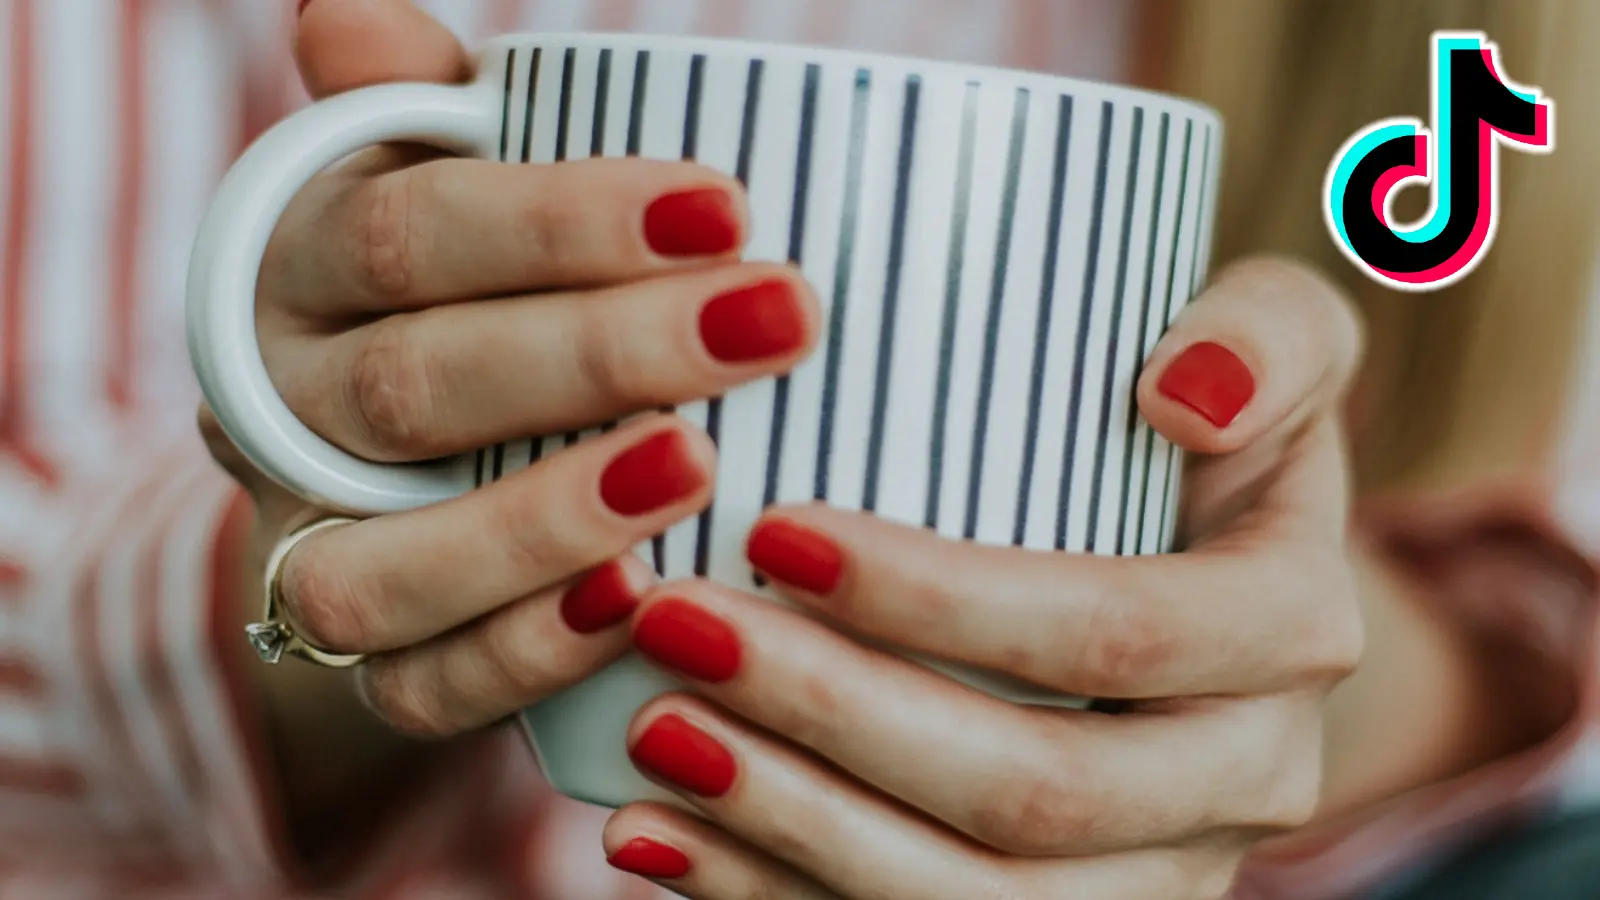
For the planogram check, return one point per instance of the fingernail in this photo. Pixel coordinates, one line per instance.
(751, 323)
(653, 473)
(650, 859)
(600, 600)
(1209, 379)
(684, 637)
(698, 222)
(675, 751)
(800, 557)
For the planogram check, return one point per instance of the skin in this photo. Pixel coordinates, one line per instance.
(1226, 652)
(1244, 721)
(404, 302)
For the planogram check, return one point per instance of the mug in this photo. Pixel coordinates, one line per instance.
(996, 253)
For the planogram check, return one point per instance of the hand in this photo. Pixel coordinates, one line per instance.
(412, 307)
(823, 768)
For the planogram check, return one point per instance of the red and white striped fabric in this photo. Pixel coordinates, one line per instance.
(128, 765)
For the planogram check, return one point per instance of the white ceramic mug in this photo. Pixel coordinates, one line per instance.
(996, 253)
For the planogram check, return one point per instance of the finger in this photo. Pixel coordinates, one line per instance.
(652, 839)
(1266, 345)
(377, 238)
(696, 859)
(1274, 615)
(425, 386)
(1268, 349)
(395, 580)
(1025, 780)
(858, 842)
(341, 45)
(509, 659)
(855, 843)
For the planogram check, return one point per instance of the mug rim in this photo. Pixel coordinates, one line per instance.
(802, 52)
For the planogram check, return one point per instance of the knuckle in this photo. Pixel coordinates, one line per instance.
(1335, 637)
(1285, 791)
(389, 689)
(537, 545)
(1328, 311)
(1347, 330)
(391, 392)
(1287, 276)
(816, 713)
(387, 234)
(757, 888)
(1125, 644)
(996, 884)
(1035, 816)
(818, 723)
(1291, 800)
(1296, 803)
(605, 363)
(1215, 881)
(1335, 320)
(327, 609)
(521, 666)
(547, 230)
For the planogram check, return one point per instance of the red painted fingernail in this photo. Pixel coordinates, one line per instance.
(698, 222)
(600, 600)
(751, 323)
(1209, 379)
(650, 859)
(682, 636)
(676, 751)
(796, 556)
(653, 473)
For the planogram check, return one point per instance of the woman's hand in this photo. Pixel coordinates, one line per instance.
(412, 306)
(829, 769)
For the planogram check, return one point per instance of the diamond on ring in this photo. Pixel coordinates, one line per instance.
(273, 637)
(268, 639)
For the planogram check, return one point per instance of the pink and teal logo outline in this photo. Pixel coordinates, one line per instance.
(1475, 111)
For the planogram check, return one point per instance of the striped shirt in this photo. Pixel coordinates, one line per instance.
(128, 757)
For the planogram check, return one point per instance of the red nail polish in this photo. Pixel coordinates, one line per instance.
(682, 636)
(699, 222)
(682, 754)
(653, 473)
(796, 556)
(752, 323)
(650, 859)
(599, 600)
(1209, 379)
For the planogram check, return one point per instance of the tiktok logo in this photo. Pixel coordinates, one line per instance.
(1475, 110)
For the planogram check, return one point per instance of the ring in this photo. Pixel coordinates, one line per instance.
(273, 636)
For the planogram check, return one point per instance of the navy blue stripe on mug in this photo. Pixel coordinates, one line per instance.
(995, 261)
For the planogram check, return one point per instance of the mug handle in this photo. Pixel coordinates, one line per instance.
(226, 263)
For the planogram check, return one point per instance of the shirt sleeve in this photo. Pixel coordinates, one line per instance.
(1503, 567)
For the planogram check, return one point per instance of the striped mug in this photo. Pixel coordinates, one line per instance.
(996, 252)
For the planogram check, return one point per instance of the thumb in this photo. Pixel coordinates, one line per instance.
(1267, 346)
(341, 45)
(1249, 379)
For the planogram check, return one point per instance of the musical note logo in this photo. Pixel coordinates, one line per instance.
(1475, 111)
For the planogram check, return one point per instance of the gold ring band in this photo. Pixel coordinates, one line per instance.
(273, 636)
